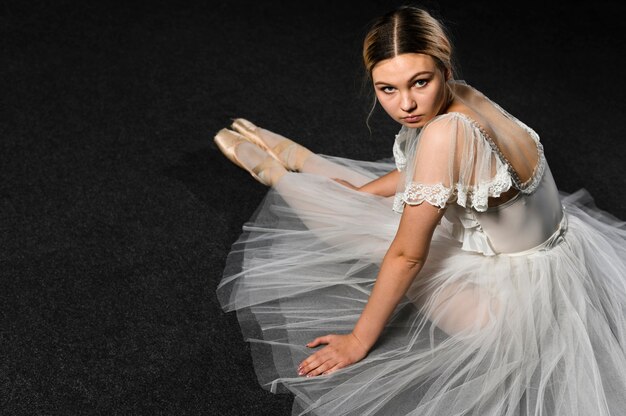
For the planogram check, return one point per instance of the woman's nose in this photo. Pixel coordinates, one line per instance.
(408, 104)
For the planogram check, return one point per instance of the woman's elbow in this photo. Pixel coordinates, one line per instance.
(412, 262)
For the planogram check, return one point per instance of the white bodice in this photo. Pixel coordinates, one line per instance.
(525, 223)
(474, 171)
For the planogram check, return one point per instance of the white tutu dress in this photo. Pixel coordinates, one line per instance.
(520, 308)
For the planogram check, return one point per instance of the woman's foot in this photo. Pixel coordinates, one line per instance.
(289, 153)
(249, 157)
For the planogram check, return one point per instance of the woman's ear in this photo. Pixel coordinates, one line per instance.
(448, 74)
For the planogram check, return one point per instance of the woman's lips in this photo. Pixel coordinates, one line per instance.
(412, 119)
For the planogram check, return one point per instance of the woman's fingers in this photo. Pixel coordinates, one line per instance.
(312, 363)
(319, 340)
(340, 351)
(331, 370)
(316, 359)
(327, 365)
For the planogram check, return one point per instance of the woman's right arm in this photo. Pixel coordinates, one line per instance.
(384, 186)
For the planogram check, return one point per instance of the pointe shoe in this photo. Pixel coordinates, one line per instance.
(289, 153)
(249, 131)
(268, 171)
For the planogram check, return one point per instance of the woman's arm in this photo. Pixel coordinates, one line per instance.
(384, 186)
(403, 261)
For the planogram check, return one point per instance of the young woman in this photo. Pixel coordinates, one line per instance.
(456, 282)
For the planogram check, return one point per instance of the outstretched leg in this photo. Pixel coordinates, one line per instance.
(457, 308)
(294, 156)
(316, 210)
(249, 157)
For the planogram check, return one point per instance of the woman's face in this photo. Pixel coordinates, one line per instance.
(410, 87)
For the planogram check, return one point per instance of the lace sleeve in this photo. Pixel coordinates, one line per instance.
(416, 193)
(399, 147)
(450, 161)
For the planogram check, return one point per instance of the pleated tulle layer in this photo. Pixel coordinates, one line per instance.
(540, 334)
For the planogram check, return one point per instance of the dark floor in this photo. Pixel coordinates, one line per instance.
(117, 211)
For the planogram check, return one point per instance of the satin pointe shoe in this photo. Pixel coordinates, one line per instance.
(244, 154)
(289, 153)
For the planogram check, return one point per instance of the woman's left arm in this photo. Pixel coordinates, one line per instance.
(401, 264)
(383, 186)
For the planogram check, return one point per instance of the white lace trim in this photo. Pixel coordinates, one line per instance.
(529, 186)
(436, 195)
(439, 195)
(398, 154)
(478, 195)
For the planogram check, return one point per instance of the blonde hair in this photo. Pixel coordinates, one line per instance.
(407, 29)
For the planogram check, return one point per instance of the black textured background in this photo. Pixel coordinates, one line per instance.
(117, 211)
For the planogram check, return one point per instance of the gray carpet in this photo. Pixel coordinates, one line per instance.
(117, 211)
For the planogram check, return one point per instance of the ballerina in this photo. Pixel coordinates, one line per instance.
(457, 280)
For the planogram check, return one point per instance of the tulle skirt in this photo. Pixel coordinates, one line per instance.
(539, 334)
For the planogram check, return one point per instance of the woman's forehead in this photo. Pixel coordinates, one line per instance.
(403, 66)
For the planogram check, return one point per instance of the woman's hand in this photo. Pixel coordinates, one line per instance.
(346, 184)
(340, 351)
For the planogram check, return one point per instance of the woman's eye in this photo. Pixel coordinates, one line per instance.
(421, 83)
(387, 90)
